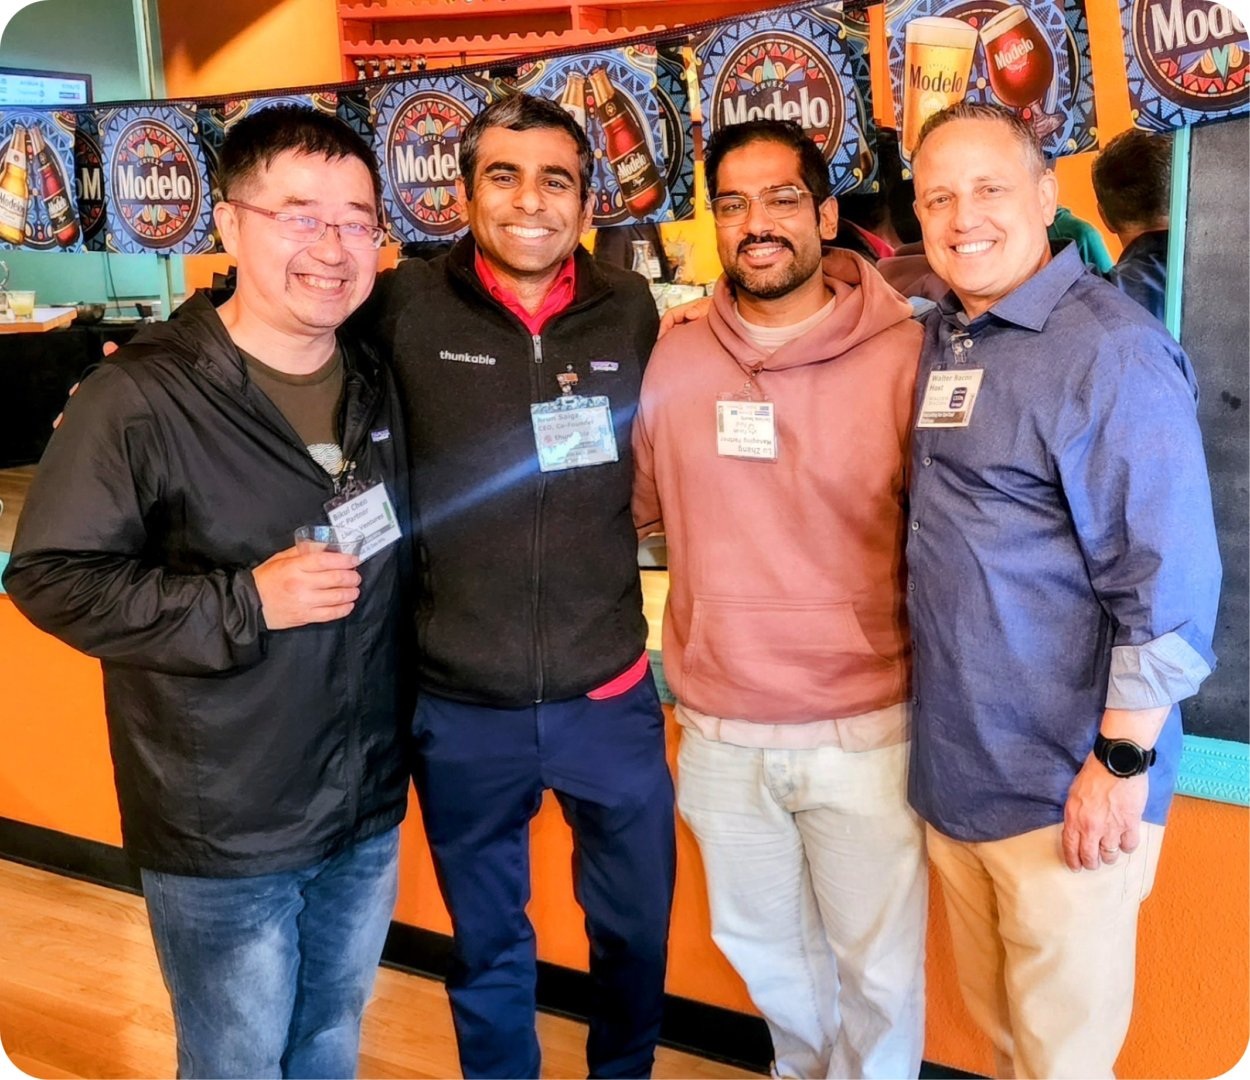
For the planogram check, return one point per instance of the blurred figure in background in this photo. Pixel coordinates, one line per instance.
(1133, 184)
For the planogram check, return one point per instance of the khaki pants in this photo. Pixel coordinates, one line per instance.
(1046, 958)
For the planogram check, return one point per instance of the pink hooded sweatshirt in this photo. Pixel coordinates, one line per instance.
(786, 577)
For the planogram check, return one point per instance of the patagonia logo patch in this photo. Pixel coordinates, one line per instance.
(381, 435)
(604, 365)
(467, 358)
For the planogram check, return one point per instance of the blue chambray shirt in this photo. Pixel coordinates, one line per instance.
(1061, 551)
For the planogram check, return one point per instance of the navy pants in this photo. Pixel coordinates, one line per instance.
(269, 976)
(480, 774)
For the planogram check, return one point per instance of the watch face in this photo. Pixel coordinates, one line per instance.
(1124, 759)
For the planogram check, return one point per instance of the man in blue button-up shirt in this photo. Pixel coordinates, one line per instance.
(1063, 586)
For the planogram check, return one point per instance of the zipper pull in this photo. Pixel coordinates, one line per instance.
(538, 349)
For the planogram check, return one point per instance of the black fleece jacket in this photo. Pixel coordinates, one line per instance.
(529, 587)
(237, 750)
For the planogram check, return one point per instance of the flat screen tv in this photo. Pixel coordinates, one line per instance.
(43, 89)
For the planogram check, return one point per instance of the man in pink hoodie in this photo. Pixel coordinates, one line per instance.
(770, 447)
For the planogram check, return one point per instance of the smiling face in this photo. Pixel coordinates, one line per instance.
(299, 289)
(983, 209)
(764, 257)
(527, 213)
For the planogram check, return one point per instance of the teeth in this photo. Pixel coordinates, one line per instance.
(321, 282)
(764, 252)
(528, 234)
(973, 249)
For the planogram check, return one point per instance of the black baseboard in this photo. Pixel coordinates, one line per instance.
(87, 860)
(694, 1026)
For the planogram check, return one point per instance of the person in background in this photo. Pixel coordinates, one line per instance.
(520, 357)
(1089, 242)
(770, 446)
(1133, 184)
(614, 246)
(253, 694)
(863, 225)
(1063, 583)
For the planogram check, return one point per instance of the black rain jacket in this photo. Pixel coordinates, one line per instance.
(237, 750)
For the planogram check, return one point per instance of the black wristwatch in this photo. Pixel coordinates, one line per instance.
(1123, 757)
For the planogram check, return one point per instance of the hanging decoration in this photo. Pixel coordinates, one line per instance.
(1011, 54)
(676, 128)
(156, 179)
(611, 93)
(38, 211)
(785, 64)
(1188, 62)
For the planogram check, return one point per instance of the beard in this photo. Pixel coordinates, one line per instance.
(773, 282)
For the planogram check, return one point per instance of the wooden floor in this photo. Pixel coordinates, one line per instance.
(81, 996)
(13, 485)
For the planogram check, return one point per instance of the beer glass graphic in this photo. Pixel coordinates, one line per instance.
(1020, 65)
(937, 58)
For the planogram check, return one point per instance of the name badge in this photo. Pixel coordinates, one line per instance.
(949, 398)
(573, 432)
(746, 429)
(372, 513)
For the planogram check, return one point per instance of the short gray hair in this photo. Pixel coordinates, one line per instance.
(1021, 129)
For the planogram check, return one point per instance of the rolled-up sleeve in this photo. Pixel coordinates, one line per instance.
(1135, 477)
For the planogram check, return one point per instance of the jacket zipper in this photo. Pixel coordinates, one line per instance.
(366, 404)
(536, 568)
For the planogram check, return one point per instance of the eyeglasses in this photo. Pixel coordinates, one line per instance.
(308, 230)
(778, 203)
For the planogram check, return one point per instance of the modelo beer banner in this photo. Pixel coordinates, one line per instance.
(137, 178)
(852, 31)
(785, 64)
(416, 126)
(156, 181)
(38, 211)
(612, 95)
(1012, 54)
(677, 129)
(1187, 62)
(1084, 112)
(89, 179)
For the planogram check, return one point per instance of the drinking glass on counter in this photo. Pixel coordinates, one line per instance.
(22, 304)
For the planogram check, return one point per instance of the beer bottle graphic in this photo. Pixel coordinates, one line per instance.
(573, 99)
(52, 188)
(14, 190)
(642, 186)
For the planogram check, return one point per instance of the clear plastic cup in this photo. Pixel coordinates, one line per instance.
(313, 538)
(22, 304)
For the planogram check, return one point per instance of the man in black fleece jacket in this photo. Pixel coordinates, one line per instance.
(519, 360)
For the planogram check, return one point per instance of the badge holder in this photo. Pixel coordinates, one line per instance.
(746, 425)
(366, 507)
(573, 432)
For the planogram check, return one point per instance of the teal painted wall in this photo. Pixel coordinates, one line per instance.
(97, 37)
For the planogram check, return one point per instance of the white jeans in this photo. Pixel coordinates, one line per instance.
(818, 887)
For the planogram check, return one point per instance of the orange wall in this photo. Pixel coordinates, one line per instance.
(1192, 1017)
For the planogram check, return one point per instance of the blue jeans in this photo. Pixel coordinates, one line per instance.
(270, 975)
(480, 775)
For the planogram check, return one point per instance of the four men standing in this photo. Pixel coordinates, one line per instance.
(1061, 582)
